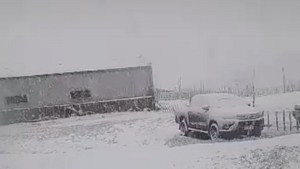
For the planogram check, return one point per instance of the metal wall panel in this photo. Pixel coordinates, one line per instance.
(47, 90)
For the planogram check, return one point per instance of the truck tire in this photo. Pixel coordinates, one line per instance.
(213, 132)
(183, 127)
(176, 119)
(256, 132)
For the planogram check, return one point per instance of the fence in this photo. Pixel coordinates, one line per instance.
(171, 106)
(281, 121)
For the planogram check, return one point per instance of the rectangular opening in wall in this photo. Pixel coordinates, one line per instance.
(16, 99)
(80, 94)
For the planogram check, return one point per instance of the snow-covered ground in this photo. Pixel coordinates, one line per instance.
(279, 102)
(136, 140)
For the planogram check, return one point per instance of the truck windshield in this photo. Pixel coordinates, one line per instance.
(225, 102)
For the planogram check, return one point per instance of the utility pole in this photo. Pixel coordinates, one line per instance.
(253, 89)
(179, 87)
(283, 80)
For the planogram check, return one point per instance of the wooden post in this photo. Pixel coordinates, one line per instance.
(290, 118)
(253, 89)
(283, 80)
(268, 120)
(283, 118)
(277, 121)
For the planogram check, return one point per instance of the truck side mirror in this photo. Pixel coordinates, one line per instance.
(206, 107)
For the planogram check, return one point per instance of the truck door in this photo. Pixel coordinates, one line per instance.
(203, 122)
(198, 119)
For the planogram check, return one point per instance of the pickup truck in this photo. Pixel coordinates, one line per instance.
(219, 114)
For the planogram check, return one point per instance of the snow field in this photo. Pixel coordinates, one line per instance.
(132, 140)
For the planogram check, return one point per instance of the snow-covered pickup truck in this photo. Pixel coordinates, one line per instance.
(219, 114)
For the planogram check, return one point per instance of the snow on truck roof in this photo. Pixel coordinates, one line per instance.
(217, 99)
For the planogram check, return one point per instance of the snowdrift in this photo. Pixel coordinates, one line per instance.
(278, 102)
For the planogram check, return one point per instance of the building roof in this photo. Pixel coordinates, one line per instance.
(78, 72)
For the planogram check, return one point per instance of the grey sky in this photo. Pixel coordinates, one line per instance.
(217, 42)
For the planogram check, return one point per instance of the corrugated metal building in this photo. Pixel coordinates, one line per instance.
(38, 97)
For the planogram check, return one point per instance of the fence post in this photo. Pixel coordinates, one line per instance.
(283, 118)
(290, 118)
(268, 120)
(277, 121)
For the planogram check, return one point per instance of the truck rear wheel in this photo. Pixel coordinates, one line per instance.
(183, 127)
(257, 132)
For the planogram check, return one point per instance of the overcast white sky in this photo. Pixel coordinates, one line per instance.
(217, 42)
